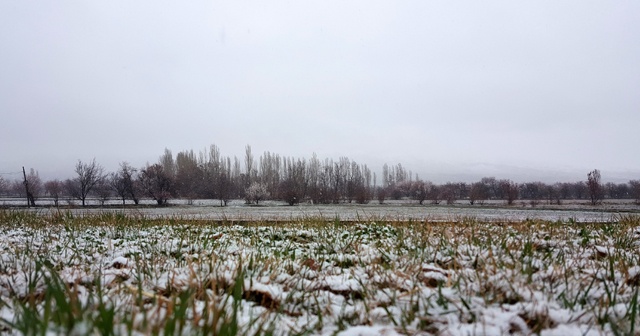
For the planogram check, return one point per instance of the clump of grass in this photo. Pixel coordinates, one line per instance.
(53, 305)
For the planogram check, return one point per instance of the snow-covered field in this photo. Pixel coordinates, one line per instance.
(578, 211)
(111, 273)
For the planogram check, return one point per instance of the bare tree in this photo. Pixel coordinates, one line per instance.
(189, 176)
(580, 190)
(635, 190)
(557, 190)
(118, 185)
(359, 184)
(434, 193)
(293, 186)
(420, 190)
(617, 190)
(449, 192)
(479, 193)
(492, 187)
(339, 178)
(566, 190)
(54, 190)
(595, 187)
(167, 163)
(103, 190)
(289, 191)
(509, 190)
(35, 186)
(71, 190)
(553, 193)
(89, 175)
(533, 191)
(250, 166)
(363, 194)
(4, 186)
(270, 168)
(224, 186)
(313, 179)
(403, 189)
(463, 190)
(324, 183)
(156, 183)
(381, 194)
(216, 176)
(125, 184)
(237, 178)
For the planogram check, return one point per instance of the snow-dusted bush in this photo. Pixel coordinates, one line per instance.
(256, 192)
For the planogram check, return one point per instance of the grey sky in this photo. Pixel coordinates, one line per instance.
(522, 89)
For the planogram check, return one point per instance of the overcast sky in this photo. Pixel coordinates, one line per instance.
(530, 90)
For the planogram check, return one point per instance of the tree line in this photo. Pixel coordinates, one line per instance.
(209, 175)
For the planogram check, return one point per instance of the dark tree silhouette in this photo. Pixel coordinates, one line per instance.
(595, 187)
(156, 183)
(479, 193)
(634, 186)
(89, 175)
(124, 183)
(509, 190)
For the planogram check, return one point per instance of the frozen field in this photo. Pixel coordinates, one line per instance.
(397, 212)
(578, 211)
(113, 274)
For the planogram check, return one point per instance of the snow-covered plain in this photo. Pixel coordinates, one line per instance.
(492, 210)
(470, 277)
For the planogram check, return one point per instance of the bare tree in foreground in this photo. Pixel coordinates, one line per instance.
(89, 175)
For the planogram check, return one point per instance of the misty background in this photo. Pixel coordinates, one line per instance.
(540, 90)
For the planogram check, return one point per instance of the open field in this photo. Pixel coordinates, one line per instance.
(392, 210)
(111, 273)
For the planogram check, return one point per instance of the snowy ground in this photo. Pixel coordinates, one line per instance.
(578, 211)
(118, 274)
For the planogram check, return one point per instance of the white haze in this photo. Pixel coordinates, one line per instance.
(535, 90)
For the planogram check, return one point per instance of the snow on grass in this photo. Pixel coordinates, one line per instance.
(115, 274)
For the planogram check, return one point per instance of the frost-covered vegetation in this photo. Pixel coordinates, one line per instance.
(116, 274)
